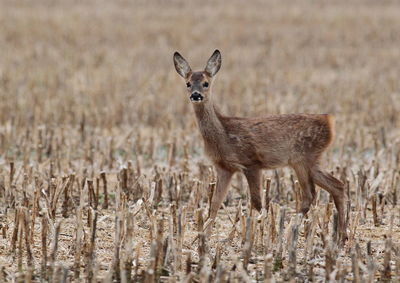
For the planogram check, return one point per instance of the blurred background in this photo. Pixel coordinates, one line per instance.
(98, 76)
(112, 60)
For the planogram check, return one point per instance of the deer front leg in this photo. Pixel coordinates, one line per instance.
(223, 180)
(253, 177)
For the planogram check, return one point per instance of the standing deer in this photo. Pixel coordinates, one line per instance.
(251, 144)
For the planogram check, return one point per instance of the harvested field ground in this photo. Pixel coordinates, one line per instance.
(102, 172)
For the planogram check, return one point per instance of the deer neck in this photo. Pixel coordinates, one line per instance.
(209, 122)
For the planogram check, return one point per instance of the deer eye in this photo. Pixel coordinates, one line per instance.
(205, 84)
(188, 84)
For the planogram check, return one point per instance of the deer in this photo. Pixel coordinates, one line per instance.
(250, 145)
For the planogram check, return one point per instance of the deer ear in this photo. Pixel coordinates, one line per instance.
(214, 63)
(181, 66)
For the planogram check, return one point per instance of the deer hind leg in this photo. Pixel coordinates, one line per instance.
(307, 187)
(253, 177)
(336, 189)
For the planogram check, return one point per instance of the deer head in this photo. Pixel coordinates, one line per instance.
(198, 83)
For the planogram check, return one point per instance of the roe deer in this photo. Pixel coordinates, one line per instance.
(252, 144)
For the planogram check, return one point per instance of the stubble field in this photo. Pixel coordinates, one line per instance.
(102, 171)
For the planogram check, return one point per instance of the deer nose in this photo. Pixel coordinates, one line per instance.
(196, 96)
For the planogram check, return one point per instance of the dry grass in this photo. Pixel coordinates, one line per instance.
(89, 90)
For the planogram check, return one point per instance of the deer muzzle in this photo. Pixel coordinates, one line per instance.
(196, 97)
